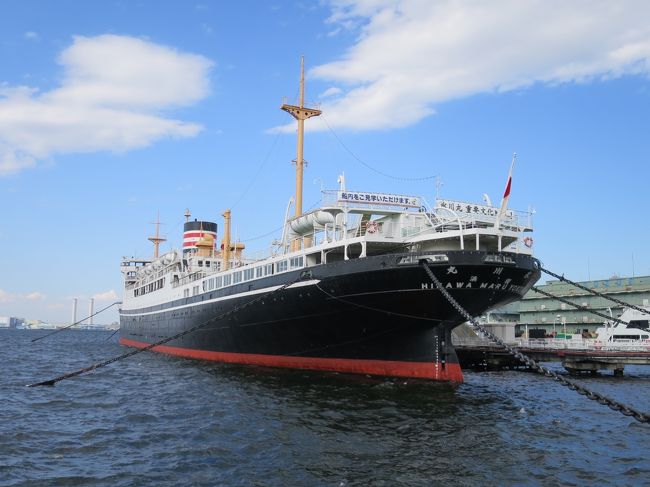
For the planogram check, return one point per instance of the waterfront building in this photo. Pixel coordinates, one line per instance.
(10, 322)
(541, 312)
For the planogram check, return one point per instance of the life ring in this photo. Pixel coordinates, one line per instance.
(528, 242)
(371, 227)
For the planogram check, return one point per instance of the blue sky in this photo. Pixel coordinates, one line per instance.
(113, 111)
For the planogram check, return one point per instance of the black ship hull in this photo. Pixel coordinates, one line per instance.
(378, 315)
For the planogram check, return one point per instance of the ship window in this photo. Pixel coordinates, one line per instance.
(268, 269)
(227, 280)
(626, 337)
(639, 324)
(248, 274)
(281, 266)
(296, 262)
(259, 272)
(207, 263)
(219, 281)
(200, 263)
(186, 293)
(237, 277)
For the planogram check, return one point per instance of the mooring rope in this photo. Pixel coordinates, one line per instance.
(593, 291)
(371, 308)
(113, 334)
(574, 386)
(233, 310)
(76, 322)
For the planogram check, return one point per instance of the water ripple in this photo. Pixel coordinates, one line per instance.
(163, 421)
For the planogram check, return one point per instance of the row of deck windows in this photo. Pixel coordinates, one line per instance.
(252, 273)
(152, 286)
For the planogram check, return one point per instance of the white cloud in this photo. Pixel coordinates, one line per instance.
(112, 93)
(110, 295)
(333, 91)
(35, 296)
(32, 36)
(413, 54)
(5, 297)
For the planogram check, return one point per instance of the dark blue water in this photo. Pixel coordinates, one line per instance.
(158, 420)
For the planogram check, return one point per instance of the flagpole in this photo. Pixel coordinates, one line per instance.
(506, 193)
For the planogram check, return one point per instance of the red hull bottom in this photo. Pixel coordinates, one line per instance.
(448, 372)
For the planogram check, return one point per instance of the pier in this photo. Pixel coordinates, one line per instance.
(576, 356)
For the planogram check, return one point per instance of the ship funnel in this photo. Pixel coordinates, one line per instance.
(195, 232)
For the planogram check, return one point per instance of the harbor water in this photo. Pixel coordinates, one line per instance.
(158, 420)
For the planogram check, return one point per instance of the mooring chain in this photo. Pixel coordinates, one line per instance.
(58, 330)
(578, 306)
(231, 311)
(595, 396)
(593, 291)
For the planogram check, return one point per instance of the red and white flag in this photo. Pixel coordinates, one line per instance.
(506, 193)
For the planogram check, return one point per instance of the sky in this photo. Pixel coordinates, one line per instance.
(113, 111)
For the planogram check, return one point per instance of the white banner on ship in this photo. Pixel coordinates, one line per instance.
(471, 209)
(379, 199)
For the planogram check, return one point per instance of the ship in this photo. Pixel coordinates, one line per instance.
(346, 289)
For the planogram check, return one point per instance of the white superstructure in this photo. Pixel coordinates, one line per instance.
(348, 225)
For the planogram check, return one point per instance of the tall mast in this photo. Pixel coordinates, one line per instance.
(157, 239)
(300, 113)
(225, 253)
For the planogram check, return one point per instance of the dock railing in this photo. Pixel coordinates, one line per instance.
(553, 344)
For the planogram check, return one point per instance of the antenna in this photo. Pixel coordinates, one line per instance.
(187, 215)
(341, 181)
(438, 186)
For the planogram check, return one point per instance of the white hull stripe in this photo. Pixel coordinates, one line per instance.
(223, 298)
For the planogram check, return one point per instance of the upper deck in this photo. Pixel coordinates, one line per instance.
(348, 225)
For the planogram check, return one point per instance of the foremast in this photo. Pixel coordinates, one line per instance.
(157, 239)
(300, 113)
